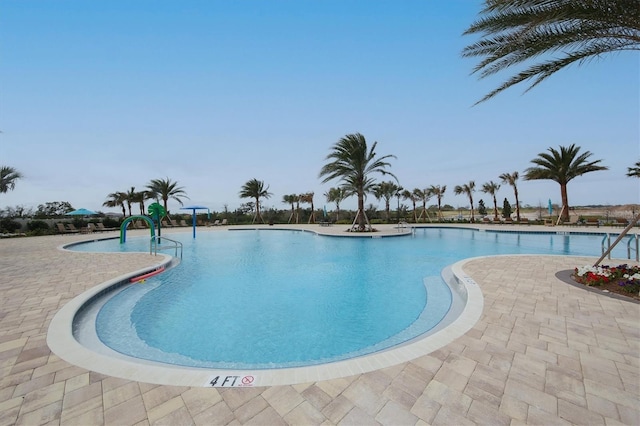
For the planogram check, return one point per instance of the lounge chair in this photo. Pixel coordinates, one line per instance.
(508, 221)
(217, 222)
(91, 227)
(139, 224)
(100, 226)
(63, 230)
(575, 221)
(524, 221)
(620, 222)
(591, 221)
(224, 222)
(72, 228)
(183, 222)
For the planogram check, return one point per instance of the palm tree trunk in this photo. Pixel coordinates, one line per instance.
(495, 208)
(565, 202)
(415, 213)
(515, 190)
(258, 215)
(361, 218)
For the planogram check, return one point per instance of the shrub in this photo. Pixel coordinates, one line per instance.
(8, 225)
(110, 223)
(38, 227)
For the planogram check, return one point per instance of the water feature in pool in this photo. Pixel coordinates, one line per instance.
(266, 299)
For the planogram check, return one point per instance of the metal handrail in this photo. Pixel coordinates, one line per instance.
(154, 241)
(633, 237)
(607, 238)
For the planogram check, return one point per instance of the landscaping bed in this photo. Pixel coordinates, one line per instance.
(622, 279)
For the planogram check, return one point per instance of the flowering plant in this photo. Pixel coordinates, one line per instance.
(625, 276)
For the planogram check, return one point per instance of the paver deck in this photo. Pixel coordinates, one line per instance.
(543, 352)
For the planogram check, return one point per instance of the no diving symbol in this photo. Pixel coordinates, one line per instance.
(248, 380)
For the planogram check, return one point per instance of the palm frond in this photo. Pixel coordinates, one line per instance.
(516, 31)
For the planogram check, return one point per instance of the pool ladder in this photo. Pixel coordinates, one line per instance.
(156, 241)
(633, 239)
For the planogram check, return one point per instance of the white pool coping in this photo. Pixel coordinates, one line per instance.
(62, 342)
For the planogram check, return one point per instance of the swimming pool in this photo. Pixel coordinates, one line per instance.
(426, 252)
(269, 299)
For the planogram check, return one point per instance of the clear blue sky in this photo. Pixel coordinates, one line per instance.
(99, 96)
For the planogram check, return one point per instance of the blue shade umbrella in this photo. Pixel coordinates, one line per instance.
(550, 207)
(81, 212)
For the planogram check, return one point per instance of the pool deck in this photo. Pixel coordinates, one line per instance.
(543, 352)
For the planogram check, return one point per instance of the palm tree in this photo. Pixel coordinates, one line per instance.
(140, 197)
(562, 166)
(116, 199)
(438, 191)
(291, 199)
(517, 31)
(424, 195)
(131, 198)
(336, 195)
(386, 190)
(353, 163)
(164, 189)
(491, 188)
(8, 178)
(467, 188)
(512, 179)
(634, 171)
(308, 198)
(255, 189)
(411, 195)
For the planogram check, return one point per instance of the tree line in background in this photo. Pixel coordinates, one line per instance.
(352, 163)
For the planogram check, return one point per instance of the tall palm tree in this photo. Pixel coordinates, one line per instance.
(386, 190)
(491, 188)
(514, 32)
(164, 189)
(255, 189)
(469, 189)
(634, 171)
(512, 179)
(336, 195)
(291, 199)
(562, 166)
(411, 195)
(116, 199)
(353, 163)
(8, 178)
(308, 198)
(424, 195)
(140, 197)
(438, 191)
(131, 198)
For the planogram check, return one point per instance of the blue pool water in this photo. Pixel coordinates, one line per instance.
(269, 299)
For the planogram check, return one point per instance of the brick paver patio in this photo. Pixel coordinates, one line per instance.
(544, 352)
